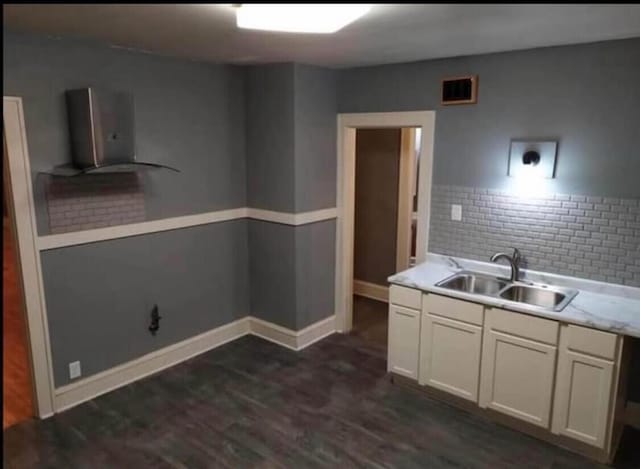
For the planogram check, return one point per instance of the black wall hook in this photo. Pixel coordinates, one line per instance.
(155, 320)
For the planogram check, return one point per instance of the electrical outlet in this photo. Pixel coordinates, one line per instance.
(456, 212)
(74, 370)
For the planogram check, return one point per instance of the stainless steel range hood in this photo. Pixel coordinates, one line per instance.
(102, 132)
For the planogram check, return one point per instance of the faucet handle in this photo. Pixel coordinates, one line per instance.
(516, 255)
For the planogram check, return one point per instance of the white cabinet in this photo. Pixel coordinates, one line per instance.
(584, 384)
(404, 341)
(565, 379)
(518, 365)
(450, 347)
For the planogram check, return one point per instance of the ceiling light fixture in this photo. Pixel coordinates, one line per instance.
(298, 18)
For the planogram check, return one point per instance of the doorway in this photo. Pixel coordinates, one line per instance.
(348, 126)
(385, 218)
(17, 397)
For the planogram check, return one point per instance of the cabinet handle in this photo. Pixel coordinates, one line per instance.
(409, 315)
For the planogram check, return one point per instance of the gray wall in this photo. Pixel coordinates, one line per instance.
(291, 137)
(272, 270)
(291, 167)
(188, 115)
(270, 137)
(585, 96)
(292, 272)
(99, 296)
(315, 138)
(315, 272)
(315, 188)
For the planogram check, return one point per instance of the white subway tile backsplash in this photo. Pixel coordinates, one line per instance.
(94, 201)
(585, 236)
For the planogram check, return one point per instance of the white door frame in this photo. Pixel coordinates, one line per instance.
(21, 208)
(347, 125)
(406, 193)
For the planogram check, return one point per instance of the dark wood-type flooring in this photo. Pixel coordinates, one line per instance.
(251, 403)
(16, 375)
(370, 320)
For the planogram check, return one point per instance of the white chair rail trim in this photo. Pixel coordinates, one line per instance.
(135, 229)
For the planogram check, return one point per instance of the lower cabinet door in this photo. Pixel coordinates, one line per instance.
(404, 341)
(583, 396)
(450, 356)
(517, 377)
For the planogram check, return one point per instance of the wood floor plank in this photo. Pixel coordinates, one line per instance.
(252, 404)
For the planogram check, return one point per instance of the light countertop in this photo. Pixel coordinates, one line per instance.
(599, 305)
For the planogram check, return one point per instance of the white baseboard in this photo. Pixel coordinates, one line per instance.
(632, 414)
(371, 290)
(98, 384)
(316, 332)
(273, 333)
(89, 388)
(294, 340)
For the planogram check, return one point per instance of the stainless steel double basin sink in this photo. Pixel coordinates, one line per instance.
(532, 294)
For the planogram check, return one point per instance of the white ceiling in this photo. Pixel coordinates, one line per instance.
(387, 34)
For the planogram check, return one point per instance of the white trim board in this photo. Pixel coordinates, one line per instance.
(93, 386)
(347, 125)
(294, 340)
(294, 219)
(21, 209)
(371, 290)
(135, 229)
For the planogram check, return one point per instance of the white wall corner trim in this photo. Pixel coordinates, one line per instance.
(91, 387)
(294, 219)
(294, 340)
(371, 290)
(21, 209)
(316, 332)
(135, 229)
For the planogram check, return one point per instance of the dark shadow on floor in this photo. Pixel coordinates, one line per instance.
(370, 320)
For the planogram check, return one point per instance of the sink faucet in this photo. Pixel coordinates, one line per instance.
(514, 261)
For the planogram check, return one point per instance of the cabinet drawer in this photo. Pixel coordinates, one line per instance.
(404, 296)
(523, 325)
(454, 309)
(591, 342)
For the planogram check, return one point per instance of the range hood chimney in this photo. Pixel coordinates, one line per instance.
(102, 132)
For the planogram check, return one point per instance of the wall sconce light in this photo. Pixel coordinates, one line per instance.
(532, 159)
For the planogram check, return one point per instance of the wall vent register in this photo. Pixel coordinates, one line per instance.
(460, 90)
